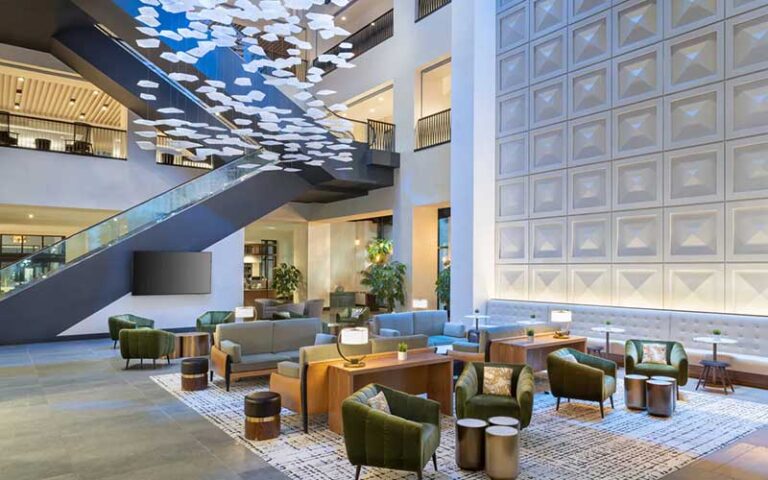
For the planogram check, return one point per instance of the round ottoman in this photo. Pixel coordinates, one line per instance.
(634, 391)
(194, 374)
(262, 415)
(470, 443)
(505, 422)
(502, 452)
(675, 392)
(660, 395)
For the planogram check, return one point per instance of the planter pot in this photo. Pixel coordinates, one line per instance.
(531, 338)
(401, 356)
(717, 337)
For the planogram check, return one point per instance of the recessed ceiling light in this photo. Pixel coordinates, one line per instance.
(95, 92)
(343, 19)
(21, 79)
(381, 99)
(104, 107)
(16, 106)
(30, 216)
(71, 101)
(373, 24)
(371, 110)
(82, 116)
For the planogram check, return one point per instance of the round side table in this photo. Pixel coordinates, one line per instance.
(505, 422)
(634, 391)
(676, 391)
(608, 331)
(660, 395)
(470, 443)
(502, 453)
(194, 374)
(262, 415)
(192, 344)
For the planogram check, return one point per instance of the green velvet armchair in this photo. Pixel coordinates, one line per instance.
(207, 322)
(589, 378)
(472, 403)
(127, 321)
(404, 440)
(677, 361)
(147, 343)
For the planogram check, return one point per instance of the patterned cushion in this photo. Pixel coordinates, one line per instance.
(654, 353)
(569, 358)
(497, 381)
(379, 402)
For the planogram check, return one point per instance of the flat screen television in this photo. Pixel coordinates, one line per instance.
(171, 273)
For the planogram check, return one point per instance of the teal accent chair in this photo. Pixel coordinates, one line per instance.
(126, 321)
(589, 378)
(146, 343)
(404, 440)
(677, 361)
(472, 403)
(207, 322)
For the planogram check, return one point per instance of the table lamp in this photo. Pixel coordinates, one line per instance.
(561, 316)
(352, 336)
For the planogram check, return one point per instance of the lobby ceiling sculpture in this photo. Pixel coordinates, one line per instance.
(287, 139)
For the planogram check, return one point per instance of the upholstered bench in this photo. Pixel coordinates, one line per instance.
(262, 415)
(194, 374)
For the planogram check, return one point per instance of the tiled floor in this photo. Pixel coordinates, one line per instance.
(68, 411)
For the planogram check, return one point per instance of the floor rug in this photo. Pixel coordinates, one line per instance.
(574, 443)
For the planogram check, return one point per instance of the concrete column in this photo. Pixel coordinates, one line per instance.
(319, 261)
(472, 155)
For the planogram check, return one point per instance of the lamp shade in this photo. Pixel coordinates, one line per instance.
(354, 336)
(560, 316)
(244, 312)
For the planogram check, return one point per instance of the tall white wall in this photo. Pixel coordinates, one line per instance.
(180, 311)
(632, 146)
(423, 177)
(472, 153)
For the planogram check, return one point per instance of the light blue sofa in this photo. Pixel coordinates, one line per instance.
(432, 323)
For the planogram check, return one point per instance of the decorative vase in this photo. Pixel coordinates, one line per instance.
(402, 356)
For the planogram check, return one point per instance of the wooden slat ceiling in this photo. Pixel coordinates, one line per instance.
(49, 96)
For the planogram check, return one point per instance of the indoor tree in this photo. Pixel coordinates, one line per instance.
(385, 279)
(443, 287)
(286, 280)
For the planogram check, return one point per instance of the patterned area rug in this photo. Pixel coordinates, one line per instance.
(574, 443)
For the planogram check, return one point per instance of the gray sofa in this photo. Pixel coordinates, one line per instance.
(267, 307)
(255, 348)
(432, 323)
(305, 391)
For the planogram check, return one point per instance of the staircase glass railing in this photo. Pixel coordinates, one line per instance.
(50, 260)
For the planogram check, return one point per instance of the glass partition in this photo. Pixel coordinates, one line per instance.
(47, 261)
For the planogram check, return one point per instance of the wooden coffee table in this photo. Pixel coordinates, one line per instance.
(519, 350)
(422, 372)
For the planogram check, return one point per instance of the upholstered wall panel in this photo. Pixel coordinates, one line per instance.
(632, 153)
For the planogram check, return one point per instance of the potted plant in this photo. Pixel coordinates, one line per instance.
(608, 323)
(385, 279)
(286, 280)
(402, 351)
(530, 333)
(443, 287)
(717, 333)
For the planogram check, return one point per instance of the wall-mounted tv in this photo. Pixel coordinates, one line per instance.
(171, 273)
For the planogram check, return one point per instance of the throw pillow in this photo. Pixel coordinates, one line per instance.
(281, 315)
(497, 381)
(569, 358)
(654, 353)
(379, 402)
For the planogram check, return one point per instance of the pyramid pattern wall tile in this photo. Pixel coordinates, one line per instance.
(632, 153)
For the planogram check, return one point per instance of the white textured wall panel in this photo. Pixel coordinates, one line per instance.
(632, 155)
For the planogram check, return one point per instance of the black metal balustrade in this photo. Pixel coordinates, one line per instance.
(433, 130)
(362, 40)
(381, 136)
(164, 157)
(424, 8)
(56, 136)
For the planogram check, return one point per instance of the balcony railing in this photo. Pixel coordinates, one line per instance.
(164, 157)
(381, 136)
(63, 137)
(433, 130)
(425, 8)
(362, 40)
